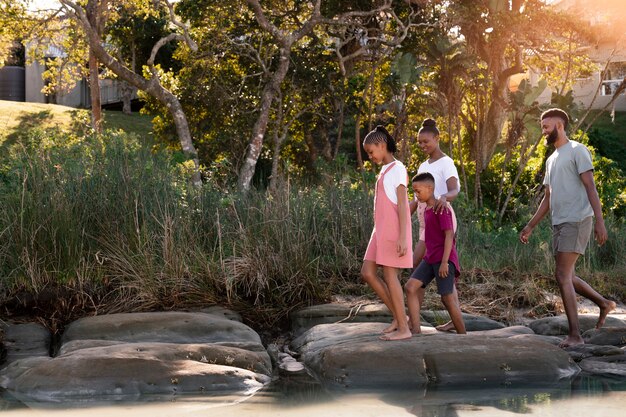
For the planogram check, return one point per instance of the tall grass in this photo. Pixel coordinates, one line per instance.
(119, 228)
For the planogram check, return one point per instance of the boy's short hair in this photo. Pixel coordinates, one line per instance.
(424, 177)
(556, 113)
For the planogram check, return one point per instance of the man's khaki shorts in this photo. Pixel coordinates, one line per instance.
(572, 236)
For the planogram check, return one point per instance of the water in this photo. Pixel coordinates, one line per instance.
(582, 396)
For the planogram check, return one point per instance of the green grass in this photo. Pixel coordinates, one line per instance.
(609, 136)
(18, 117)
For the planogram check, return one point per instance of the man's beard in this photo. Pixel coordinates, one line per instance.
(552, 136)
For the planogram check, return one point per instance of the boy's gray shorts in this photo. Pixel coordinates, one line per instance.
(572, 236)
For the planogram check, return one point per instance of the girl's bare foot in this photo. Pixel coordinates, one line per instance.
(397, 335)
(394, 326)
(571, 341)
(448, 327)
(606, 309)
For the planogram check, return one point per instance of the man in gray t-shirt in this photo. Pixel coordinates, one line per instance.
(572, 200)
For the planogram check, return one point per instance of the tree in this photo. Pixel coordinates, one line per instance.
(151, 83)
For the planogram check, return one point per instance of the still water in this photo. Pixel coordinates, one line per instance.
(582, 396)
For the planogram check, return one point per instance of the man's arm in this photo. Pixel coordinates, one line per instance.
(541, 212)
(592, 194)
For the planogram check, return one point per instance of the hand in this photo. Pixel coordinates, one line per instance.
(443, 270)
(525, 234)
(600, 232)
(401, 247)
(441, 204)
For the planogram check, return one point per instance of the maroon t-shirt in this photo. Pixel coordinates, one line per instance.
(435, 237)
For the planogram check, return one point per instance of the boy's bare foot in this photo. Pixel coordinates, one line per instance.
(397, 335)
(610, 306)
(571, 341)
(448, 327)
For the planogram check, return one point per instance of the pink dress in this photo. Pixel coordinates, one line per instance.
(382, 247)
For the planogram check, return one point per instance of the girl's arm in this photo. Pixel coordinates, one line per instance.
(447, 249)
(401, 194)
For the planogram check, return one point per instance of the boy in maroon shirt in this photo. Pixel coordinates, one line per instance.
(441, 260)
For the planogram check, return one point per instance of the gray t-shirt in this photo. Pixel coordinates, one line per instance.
(568, 197)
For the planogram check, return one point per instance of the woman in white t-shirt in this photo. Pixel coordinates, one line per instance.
(447, 187)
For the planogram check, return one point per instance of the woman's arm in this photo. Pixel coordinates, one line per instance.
(453, 192)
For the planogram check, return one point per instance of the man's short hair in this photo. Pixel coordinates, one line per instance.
(424, 177)
(556, 113)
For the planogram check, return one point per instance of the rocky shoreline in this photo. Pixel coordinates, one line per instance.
(122, 357)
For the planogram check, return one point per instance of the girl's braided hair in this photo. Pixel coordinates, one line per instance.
(378, 135)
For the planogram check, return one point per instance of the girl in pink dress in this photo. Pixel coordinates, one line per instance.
(390, 243)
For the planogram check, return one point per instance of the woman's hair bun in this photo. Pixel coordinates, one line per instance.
(429, 123)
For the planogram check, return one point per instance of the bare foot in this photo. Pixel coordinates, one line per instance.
(610, 306)
(397, 335)
(394, 326)
(571, 341)
(414, 332)
(448, 327)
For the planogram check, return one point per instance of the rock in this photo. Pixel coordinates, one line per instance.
(553, 340)
(472, 322)
(25, 340)
(606, 366)
(165, 327)
(308, 317)
(222, 311)
(556, 326)
(580, 352)
(505, 332)
(128, 371)
(351, 355)
(615, 336)
(124, 356)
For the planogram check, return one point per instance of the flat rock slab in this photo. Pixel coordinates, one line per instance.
(124, 356)
(128, 371)
(472, 322)
(556, 326)
(25, 340)
(351, 355)
(615, 336)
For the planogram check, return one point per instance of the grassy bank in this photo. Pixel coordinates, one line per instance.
(107, 225)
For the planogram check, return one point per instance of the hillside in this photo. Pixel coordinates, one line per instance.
(18, 116)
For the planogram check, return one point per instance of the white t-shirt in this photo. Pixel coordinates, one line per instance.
(393, 179)
(442, 169)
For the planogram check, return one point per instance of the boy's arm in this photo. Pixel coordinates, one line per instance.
(447, 249)
(542, 210)
(402, 208)
(592, 194)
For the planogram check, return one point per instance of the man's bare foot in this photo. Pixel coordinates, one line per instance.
(397, 335)
(448, 327)
(414, 332)
(571, 341)
(610, 306)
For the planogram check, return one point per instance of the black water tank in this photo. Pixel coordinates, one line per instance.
(12, 85)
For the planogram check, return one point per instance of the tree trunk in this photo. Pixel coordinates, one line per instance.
(94, 92)
(357, 139)
(461, 159)
(260, 126)
(126, 92)
(342, 106)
